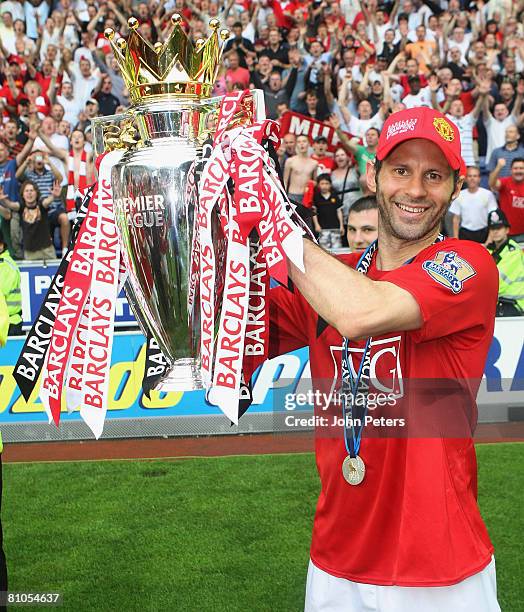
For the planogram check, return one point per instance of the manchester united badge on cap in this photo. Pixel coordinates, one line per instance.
(444, 129)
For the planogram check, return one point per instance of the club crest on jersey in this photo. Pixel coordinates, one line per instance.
(450, 270)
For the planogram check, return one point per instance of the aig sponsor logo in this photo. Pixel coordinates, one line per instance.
(385, 371)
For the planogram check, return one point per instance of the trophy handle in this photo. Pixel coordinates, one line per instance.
(107, 132)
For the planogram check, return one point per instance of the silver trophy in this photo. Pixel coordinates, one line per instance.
(166, 135)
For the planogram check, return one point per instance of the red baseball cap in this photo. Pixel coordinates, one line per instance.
(422, 122)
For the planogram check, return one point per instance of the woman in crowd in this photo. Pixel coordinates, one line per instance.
(35, 222)
(344, 180)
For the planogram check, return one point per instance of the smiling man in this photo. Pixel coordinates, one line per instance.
(397, 526)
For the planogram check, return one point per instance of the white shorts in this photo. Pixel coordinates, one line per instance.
(327, 593)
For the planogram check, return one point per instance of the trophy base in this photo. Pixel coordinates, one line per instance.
(183, 375)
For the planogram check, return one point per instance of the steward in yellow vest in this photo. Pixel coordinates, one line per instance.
(10, 288)
(509, 258)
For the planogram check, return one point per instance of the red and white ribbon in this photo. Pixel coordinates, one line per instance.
(227, 372)
(104, 292)
(82, 334)
(213, 182)
(259, 203)
(74, 386)
(257, 326)
(77, 283)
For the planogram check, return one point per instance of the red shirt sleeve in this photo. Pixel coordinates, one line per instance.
(455, 284)
(289, 320)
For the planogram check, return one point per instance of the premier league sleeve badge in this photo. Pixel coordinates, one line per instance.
(450, 270)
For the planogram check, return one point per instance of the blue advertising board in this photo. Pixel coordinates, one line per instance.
(503, 382)
(35, 281)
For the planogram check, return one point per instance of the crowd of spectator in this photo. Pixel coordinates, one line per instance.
(345, 63)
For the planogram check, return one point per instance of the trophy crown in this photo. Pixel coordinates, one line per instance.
(176, 67)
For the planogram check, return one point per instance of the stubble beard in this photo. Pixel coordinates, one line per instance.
(416, 231)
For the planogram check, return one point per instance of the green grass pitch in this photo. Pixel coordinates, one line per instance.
(220, 534)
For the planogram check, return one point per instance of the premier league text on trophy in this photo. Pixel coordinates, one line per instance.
(143, 211)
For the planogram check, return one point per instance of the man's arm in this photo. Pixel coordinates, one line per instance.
(456, 226)
(56, 172)
(15, 92)
(351, 144)
(5, 213)
(518, 104)
(483, 90)
(494, 181)
(342, 100)
(51, 92)
(433, 95)
(486, 113)
(287, 173)
(20, 170)
(6, 205)
(90, 170)
(119, 15)
(91, 26)
(25, 152)
(363, 89)
(53, 196)
(327, 87)
(349, 301)
(60, 153)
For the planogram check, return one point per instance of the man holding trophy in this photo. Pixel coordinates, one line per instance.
(397, 525)
(190, 216)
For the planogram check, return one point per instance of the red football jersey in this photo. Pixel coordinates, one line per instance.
(325, 164)
(511, 201)
(414, 520)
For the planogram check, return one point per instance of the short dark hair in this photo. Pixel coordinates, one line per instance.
(237, 24)
(517, 159)
(323, 177)
(368, 202)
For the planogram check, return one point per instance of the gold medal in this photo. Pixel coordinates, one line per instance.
(353, 470)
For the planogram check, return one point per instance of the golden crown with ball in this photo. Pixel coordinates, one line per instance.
(176, 67)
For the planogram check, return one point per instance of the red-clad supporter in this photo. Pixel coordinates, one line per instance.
(511, 193)
(48, 77)
(236, 75)
(325, 162)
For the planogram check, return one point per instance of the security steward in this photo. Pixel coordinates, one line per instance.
(10, 288)
(509, 258)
